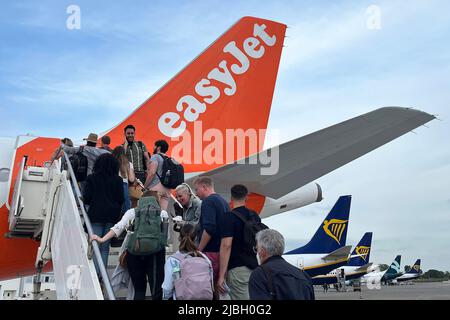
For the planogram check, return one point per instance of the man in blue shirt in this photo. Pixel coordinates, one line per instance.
(213, 209)
(236, 261)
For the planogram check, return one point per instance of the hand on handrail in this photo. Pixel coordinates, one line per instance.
(95, 237)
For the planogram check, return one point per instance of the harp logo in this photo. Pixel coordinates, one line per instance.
(335, 228)
(362, 251)
(416, 267)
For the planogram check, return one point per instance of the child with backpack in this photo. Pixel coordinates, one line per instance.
(188, 274)
(146, 241)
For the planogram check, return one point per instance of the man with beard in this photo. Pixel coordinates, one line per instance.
(137, 153)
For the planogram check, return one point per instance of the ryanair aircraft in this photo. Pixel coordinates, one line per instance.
(356, 267)
(326, 250)
(413, 273)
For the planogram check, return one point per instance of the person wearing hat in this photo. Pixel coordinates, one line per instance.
(90, 150)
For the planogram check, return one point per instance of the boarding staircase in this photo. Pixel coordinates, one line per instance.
(47, 206)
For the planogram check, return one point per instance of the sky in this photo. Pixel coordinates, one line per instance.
(337, 64)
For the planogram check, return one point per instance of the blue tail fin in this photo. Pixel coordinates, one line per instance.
(395, 266)
(332, 233)
(415, 268)
(361, 254)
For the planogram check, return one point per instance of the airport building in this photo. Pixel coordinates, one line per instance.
(22, 288)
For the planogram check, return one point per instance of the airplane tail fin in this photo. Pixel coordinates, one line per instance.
(361, 254)
(395, 266)
(332, 234)
(230, 85)
(415, 268)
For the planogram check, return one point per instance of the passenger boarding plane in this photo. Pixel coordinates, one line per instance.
(413, 273)
(385, 276)
(326, 250)
(356, 267)
(225, 91)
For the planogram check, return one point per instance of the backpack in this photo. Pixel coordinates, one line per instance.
(144, 163)
(147, 236)
(172, 173)
(79, 164)
(252, 226)
(193, 278)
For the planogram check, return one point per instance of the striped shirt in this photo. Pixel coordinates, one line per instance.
(135, 155)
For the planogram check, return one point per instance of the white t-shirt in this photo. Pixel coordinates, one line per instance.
(126, 220)
(125, 179)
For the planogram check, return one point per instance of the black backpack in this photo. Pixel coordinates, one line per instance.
(79, 164)
(252, 226)
(172, 173)
(144, 163)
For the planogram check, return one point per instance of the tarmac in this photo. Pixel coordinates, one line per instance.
(414, 291)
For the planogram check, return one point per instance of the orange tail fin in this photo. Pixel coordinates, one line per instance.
(230, 85)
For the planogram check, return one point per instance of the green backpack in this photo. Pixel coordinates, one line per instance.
(148, 237)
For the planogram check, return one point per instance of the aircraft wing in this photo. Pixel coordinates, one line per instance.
(364, 267)
(305, 159)
(338, 254)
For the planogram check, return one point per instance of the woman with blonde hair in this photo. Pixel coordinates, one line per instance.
(190, 209)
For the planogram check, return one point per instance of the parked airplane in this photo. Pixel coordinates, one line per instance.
(326, 250)
(196, 111)
(357, 265)
(385, 276)
(413, 273)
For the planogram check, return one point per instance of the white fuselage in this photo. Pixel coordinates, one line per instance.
(303, 261)
(408, 277)
(7, 147)
(349, 272)
(314, 263)
(373, 277)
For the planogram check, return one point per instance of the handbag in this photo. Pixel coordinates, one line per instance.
(124, 251)
(135, 192)
(123, 259)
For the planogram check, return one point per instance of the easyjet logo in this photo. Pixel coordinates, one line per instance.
(335, 228)
(189, 107)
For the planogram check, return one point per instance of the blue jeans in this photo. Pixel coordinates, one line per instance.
(127, 203)
(101, 229)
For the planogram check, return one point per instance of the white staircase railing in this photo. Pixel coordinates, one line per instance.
(76, 270)
(48, 207)
(75, 275)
